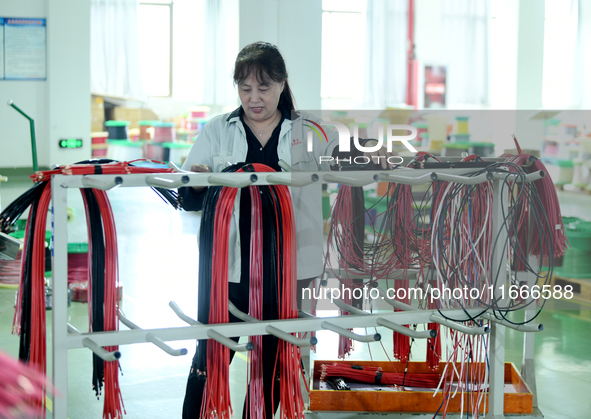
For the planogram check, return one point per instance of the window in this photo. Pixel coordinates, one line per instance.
(560, 41)
(171, 47)
(155, 41)
(343, 49)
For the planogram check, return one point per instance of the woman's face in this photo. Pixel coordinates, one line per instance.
(259, 100)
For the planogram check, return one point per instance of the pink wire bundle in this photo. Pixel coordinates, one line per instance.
(548, 200)
(10, 270)
(21, 388)
(255, 395)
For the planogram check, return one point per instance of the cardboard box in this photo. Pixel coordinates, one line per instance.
(133, 115)
(97, 114)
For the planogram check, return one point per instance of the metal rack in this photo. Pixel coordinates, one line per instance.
(66, 337)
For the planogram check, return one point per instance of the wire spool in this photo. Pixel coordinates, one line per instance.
(585, 152)
(573, 152)
(566, 171)
(482, 149)
(459, 138)
(163, 132)
(577, 259)
(586, 173)
(461, 133)
(436, 146)
(455, 149)
(436, 127)
(461, 125)
(99, 144)
(198, 112)
(578, 176)
(144, 129)
(118, 130)
(153, 151)
(124, 150)
(422, 128)
(175, 152)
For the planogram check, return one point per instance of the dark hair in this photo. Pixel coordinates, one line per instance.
(264, 60)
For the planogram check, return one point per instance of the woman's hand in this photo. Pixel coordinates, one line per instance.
(381, 156)
(200, 168)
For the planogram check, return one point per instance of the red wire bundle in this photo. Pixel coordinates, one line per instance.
(345, 243)
(216, 400)
(549, 202)
(433, 346)
(29, 320)
(288, 356)
(115, 168)
(401, 343)
(403, 242)
(77, 267)
(113, 402)
(37, 357)
(375, 375)
(255, 395)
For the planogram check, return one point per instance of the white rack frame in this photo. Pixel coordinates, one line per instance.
(62, 340)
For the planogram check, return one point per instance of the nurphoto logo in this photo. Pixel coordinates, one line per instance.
(345, 137)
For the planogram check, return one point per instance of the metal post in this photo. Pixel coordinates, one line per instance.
(497, 336)
(32, 133)
(528, 371)
(59, 199)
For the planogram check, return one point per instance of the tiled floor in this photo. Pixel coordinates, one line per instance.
(158, 263)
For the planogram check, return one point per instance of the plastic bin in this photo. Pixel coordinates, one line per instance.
(118, 130)
(163, 132)
(124, 150)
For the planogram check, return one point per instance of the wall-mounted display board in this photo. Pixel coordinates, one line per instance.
(1, 48)
(24, 49)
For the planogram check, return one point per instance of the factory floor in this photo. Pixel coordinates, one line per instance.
(158, 263)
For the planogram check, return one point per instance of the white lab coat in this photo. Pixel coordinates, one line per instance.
(223, 140)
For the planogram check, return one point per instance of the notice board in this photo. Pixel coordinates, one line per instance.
(23, 49)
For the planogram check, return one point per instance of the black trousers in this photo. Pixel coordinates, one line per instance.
(195, 385)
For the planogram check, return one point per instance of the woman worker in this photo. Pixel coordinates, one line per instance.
(264, 129)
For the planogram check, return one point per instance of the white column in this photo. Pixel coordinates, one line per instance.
(68, 78)
(530, 70)
(296, 28)
(530, 54)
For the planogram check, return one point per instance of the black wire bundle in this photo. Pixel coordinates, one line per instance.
(16, 208)
(272, 238)
(33, 195)
(97, 279)
(275, 300)
(169, 196)
(206, 234)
